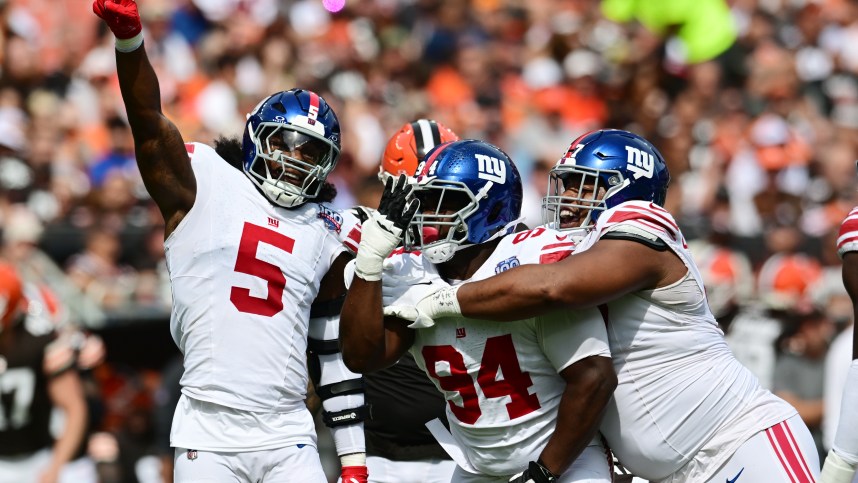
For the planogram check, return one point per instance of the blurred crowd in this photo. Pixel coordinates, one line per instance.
(761, 143)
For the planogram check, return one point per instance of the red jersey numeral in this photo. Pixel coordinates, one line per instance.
(246, 262)
(499, 356)
(524, 235)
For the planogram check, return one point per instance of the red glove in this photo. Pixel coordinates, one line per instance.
(120, 15)
(355, 474)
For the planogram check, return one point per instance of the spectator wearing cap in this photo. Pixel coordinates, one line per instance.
(800, 368)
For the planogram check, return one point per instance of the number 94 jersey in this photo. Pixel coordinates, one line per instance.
(501, 380)
(244, 274)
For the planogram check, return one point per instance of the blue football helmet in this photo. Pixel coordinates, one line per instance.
(470, 188)
(291, 144)
(600, 170)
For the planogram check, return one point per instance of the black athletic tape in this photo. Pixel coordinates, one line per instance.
(418, 140)
(323, 347)
(328, 308)
(342, 388)
(347, 417)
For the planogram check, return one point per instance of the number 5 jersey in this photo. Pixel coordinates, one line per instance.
(244, 274)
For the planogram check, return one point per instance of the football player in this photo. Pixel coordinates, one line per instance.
(524, 400)
(253, 254)
(685, 409)
(37, 373)
(842, 460)
(399, 447)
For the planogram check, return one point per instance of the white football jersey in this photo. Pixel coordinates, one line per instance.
(501, 379)
(680, 388)
(244, 274)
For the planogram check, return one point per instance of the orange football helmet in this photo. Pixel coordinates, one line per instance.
(410, 144)
(11, 295)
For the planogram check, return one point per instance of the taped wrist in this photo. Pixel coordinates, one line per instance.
(353, 459)
(378, 238)
(129, 45)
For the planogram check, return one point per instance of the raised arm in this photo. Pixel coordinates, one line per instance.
(159, 147)
(367, 341)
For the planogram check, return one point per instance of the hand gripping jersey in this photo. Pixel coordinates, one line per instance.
(847, 238)
(244, 274)
(501, 380)
(681, 395)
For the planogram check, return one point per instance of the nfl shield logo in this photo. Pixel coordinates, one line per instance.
(192, 454)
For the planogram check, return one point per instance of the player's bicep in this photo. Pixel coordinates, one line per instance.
(165, 166)
(333, 286)
(568, 336)
(398, 338)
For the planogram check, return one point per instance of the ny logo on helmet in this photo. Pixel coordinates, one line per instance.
(640, 163)
(491, 169)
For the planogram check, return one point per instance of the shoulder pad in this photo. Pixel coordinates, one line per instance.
(847, 237)
(635, 234)
(644, 215)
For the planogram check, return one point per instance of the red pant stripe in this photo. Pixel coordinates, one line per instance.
(780, 456)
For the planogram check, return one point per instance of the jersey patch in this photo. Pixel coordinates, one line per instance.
(505, 265)
(333, 220)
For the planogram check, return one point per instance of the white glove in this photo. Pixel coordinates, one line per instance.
(411, 314)
(438, 304)
(383, 230)
(378, 238)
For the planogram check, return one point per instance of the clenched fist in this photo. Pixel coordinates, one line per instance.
(121, 16)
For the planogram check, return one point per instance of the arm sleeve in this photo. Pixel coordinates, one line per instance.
(347, 439)
(846, 439)
(567, 336)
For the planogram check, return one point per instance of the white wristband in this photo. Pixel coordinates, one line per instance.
(353, 459)
(130, 45)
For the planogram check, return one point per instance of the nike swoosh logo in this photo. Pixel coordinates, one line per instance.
(736, 477)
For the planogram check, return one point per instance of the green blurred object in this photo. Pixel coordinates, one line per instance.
(705, 27)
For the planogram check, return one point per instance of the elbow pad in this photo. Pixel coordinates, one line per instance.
(340, 390)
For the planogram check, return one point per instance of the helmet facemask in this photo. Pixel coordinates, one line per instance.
(578, 195)
(285, 179)
(440, 227)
